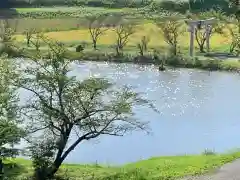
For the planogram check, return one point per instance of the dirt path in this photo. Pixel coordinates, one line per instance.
(230, 171)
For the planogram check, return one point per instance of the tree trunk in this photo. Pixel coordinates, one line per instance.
(1, 169)
(54, 168)
(141, 50)
(175, 50)
(117, 51)
(28, 42)
(94, 44)
(201, 48)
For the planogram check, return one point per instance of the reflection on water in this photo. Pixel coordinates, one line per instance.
(198, 111)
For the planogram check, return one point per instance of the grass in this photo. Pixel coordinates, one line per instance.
(73, 31)
(148, 29)
(70, 9)
(154, 168)
(56, 24)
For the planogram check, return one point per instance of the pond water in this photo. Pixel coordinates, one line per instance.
(199, 110)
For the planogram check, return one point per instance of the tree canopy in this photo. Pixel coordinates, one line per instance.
(63, 105)
(10, 133)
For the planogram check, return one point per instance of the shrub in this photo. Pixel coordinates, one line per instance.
(79, 48)
(208, 152)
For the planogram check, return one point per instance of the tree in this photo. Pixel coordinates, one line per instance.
(171, 28)
(6, 35)
(232, 26)
(10, 133)
(62, 105)
(96, 28)
(36, 40)
(216, 27)
(235, 40)
(235, 5)
(143, 45)
(7, 38)
(29, 35)
(123, 32)
(190, 2)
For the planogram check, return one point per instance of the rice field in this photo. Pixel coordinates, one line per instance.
(108, 39)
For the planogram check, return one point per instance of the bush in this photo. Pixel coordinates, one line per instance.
(213, 64)
(79, 48)
(208, 152)
(174, 60)
(11, 51)
(197, 62)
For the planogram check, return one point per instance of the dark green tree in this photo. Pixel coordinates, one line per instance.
(10, 133)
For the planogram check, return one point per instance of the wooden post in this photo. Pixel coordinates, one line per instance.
(208, 29)
(192, 28)
(192, 37)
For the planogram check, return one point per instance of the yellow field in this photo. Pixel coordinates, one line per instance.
(156, 39)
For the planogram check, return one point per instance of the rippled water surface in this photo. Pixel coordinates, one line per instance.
(199, 110)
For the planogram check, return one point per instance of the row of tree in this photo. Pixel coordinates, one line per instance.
(171, 27)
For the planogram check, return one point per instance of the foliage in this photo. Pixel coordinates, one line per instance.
(143, 45)
(10, 133)
(37, 40)
(7, 39)
(81, 12)
(235, 44)
(79, 48)
(62, 105)
(42, 153)
(29, 34)
(233, 31)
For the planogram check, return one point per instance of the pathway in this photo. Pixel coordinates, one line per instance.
(229, 171)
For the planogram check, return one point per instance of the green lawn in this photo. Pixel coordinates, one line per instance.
(160, 168)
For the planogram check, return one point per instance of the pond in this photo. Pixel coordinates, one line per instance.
(199, 111)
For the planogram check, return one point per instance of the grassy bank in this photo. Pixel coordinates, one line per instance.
(180, 61)
(159, 168)
(106, 51)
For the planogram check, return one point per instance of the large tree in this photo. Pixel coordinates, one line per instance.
(123, 31)
(96, 27)
(171, 27)
(10, 133)
(62, 105)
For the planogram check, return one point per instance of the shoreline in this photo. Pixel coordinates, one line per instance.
(180, 61)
